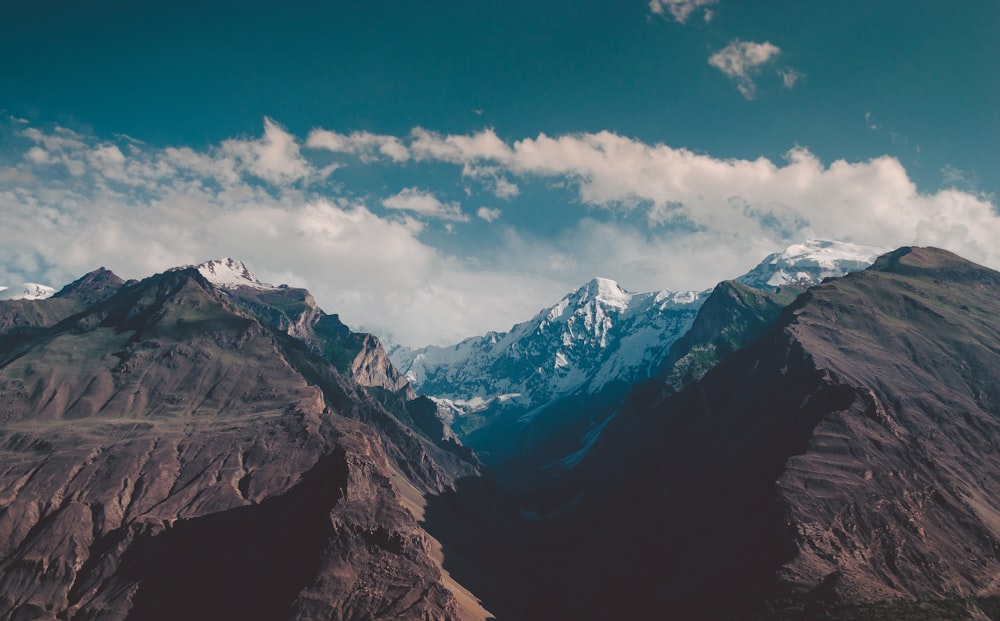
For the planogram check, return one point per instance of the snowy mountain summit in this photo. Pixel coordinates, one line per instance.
(26, 291)
(229, 273)
(595, 335)
(808, 263)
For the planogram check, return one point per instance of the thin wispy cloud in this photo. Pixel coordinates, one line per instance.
(681, 10)
(789, 76)
(367, 146)
(426, 204)
(742, 60)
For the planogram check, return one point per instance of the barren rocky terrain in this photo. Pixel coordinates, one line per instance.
(168, 451)
(171, 449)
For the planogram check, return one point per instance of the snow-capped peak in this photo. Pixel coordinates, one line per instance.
(230, 273)
(26, 291)
(603, 290)
(810, 262)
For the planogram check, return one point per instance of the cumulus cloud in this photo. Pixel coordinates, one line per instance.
(367, 146)
(275, 157)
(681, 10)
(651, 216)
(736, 202)
(140, 210)
(490, 215)
(741, 61)
(504, 189)
(425, 204)
(458, 149)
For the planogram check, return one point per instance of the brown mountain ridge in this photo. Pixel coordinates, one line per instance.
(171, 450)
(848, 455)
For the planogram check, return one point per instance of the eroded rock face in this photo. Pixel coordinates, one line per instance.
(169, 454)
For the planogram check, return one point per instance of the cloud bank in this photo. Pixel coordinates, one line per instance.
(649, 215)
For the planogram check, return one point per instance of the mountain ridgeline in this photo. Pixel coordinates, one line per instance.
(796, 444)
(533, 400)
(180, 448)
(847, 455)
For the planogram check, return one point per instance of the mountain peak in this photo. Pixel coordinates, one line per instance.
(808, 263)
(914, 261)
(603, 290)
(229, 274)
(826, 253)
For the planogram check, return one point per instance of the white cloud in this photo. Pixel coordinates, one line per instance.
(681, 10)
(789, 76)
(38, 155)
(425, 204)
(504, 189)
(490, 215)
(741, 61)
(492, 176)
(274, 158)
(651, 216)
(457, 149)
(367, 146)
(744, 204)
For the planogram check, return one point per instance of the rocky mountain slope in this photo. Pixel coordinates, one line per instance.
(733, 316)
(848, 455)
(179, 448)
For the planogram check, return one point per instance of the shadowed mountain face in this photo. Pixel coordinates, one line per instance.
(169, 449)
(849, 454)
(532, 401)
(733, 316)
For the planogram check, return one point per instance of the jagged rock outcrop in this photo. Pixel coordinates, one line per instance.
(295, 312)
(168, 453)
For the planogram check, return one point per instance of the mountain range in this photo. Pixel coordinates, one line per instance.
(846, 456)
(209, 448)
(540, 393)
(815, 439)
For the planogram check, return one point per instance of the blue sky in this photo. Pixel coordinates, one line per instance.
(432, 171)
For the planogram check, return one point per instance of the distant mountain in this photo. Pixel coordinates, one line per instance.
(595, 335)
(186, 448)
(847, 455)
(804, 265)
(542, 391)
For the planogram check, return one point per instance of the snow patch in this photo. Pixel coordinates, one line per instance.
(229, 273)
